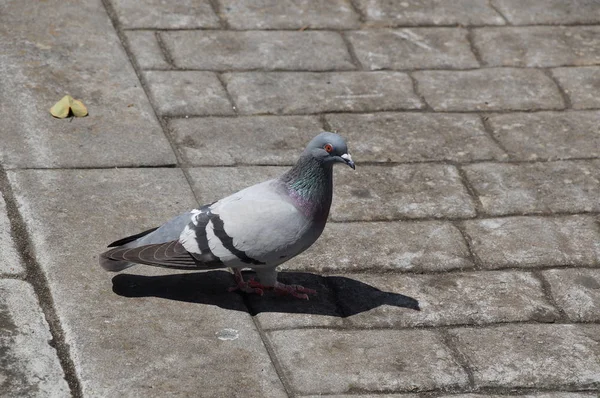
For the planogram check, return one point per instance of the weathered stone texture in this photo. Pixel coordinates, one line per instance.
(10, 262)
(305, 92)
(403, 191)
(413, 137)
(265, 50)
(298, 14)
(444, 299)
(29, 366)
(429, 12)
(548, 135)
(333, 361)
(422, 48)
(535, 241)
(525, 12)
(577, 292)
(218, 141)
(182, 93)
(145, 48)
(539, 356)
(561, 186)
(397, 246)
(158, 14)
(581, 85)
(539, 46)
(489, 89)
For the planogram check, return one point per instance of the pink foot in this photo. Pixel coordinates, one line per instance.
(250, 286)
(297, 291)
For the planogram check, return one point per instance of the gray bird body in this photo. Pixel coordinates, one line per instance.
(259, 227)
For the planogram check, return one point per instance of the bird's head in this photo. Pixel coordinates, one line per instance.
(330, 148)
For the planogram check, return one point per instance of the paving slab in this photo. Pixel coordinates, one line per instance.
(529, 355)
(146, 50)
(11, 263)
(415, 137)
(577, 292)
(548, 135)
(538, 46)
(326, 361)
(561, 186)
(385, 246)
(489, 89)
(260, 140)
(535, 241)
(557, 12)
(444, 299)
(429, 12)
(298, 14)
(183, 93)
(81, 56)
(402, 191)
(148, 331)
(29, 366)
(263, 50)
(423, 48)
(158, 14)
(309, 92)
(581, 85)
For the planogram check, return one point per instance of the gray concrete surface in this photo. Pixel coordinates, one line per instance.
(462, 257)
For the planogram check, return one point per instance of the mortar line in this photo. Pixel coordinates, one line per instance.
(493, 7)
(216, 7)
(489, 131)
(36, 277)
(561, 90)
(138, 71)
(361, 17)
(352, 52)
(547, 290)
(451, 342)
(165, 50)
(417, 92)
(227, 93)
(474, 49)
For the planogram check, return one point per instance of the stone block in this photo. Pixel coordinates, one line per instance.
(548, 135)
(326, 361)
(422, 48)
(489, 89)
(30, 366)
(535, 241)
(264, 50)
(529, 188)
(306, 92)
(414, 137)
(183, 93)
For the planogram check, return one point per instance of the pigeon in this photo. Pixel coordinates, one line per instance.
(259, 227)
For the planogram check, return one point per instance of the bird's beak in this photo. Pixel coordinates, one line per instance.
(348, 159)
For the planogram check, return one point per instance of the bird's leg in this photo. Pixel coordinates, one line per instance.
(297, 291)
(250, 286)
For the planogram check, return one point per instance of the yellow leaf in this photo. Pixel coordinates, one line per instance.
(61, 108)
(78, 108)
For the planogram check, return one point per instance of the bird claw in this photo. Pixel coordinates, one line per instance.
(297, 291)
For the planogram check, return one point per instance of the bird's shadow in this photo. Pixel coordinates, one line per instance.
(337, 295)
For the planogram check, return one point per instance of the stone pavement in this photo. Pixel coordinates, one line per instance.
(475, 127)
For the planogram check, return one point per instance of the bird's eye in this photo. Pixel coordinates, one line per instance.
(328, 148)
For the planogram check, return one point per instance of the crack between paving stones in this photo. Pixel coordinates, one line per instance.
(166, 53)
(547, 290)
(269, 348)
(561, 90)
(475, 50)
(452, 343)
(479, 209)
(138, 71)
(493, 7)
(36, 277)
(417, 92)
(351, 51)
(489, 131)
(478, 264)
(227, 93)
(216, 7)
